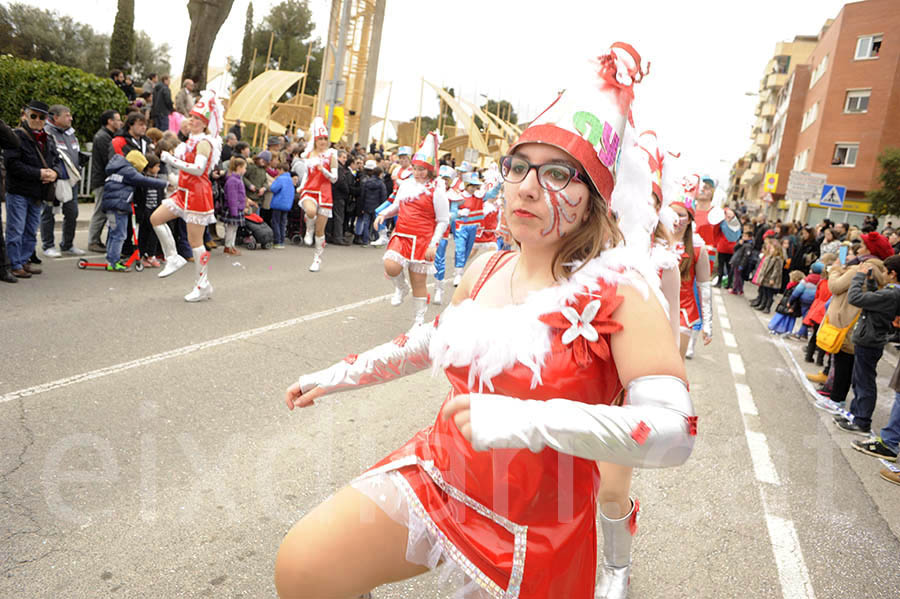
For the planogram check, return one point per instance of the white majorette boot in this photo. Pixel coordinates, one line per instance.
(202, 287)
(438, 298)
(615, 569)
(421, 304)
(401, 289)
(457, 277)
(382, 238)
(689, 353)
(317, 256)
(310, 231)
(173, 260)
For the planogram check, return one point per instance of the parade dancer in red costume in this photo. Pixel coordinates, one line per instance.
(315, 196)
(402, 171)
(423, 215)
(696, 294)
(193, 198)
(718, 226)
(537, 346)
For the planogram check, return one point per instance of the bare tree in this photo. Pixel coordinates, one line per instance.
(207, 17)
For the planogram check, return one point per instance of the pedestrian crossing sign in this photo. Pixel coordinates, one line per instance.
(771, 184)
(833, 196)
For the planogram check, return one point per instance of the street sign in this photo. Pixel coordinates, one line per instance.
(833, 196)
(771, 182)
(804, 187)
(334, 91)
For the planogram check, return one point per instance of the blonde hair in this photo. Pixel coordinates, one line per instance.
(796, 275)
(235, 163)
(598, 232)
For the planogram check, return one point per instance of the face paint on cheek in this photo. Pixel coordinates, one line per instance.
(561, 208)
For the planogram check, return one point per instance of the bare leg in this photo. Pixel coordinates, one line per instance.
(161, 216)
(615, 489)
(330, 553)
(685, 340)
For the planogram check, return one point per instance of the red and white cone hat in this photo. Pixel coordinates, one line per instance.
(318, 129)
(588, 119)
(427, 154)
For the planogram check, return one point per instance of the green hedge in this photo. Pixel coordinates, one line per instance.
(85, 94)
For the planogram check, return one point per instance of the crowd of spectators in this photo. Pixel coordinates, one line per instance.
(841, 283)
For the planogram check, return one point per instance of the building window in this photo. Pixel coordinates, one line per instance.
(845, 155)
(868, 47)
(810, 116)
(800, 160)
(857, 100)
(781, 64)
(818, 71)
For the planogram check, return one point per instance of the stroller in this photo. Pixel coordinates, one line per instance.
(255, 233)
(296, 225)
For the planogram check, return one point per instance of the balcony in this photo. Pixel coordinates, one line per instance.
(763, 140)
(754, 174)
(759, 125)
(776, 80)
(768, 110)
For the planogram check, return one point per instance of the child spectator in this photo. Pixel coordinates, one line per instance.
(122, 176)
(146, 200)
(804, 294)
(785, 314)
(740, 261)
(875, 325)
(372, 194)
(235, 202)
(282, 189)
(816, 311)
(770, 274)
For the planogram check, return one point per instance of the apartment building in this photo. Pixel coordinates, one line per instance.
(836, 114)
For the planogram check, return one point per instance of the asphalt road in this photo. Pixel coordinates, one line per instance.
(147, 451)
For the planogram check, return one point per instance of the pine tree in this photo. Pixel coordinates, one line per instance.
(243, 72)
(121, 44)
(886, 199)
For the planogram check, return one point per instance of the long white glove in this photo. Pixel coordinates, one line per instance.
(441, 213)
(192, 168)
(706, 306)
(330, 174)
(405, 355)
(656, 429)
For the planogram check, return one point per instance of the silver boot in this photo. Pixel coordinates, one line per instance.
(615, 569)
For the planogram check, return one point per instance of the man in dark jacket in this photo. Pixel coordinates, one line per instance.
(372, 194)
(340, 194)
(110, 122)
(59, 125)
(162, 104)
(874, 328)
(8, 141)
(32, 169)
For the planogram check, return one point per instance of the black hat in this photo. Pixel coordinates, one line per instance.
(37, 106)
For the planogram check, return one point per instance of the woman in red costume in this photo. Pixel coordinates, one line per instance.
(502, 488)
(193, 199)
(696, 294)
(423, 215)
(315, 197)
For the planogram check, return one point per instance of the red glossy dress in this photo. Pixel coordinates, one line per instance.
(317, 187)
(417, 217)
(193, 199)
(516, 523)
(690, 309)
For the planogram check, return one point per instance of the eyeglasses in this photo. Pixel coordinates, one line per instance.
(552, 176)
(37, 117)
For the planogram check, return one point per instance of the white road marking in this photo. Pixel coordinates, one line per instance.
(728, 338)
(724, 322)
(737, 365)
(745, 400)
(792, 572)
(182, 351)
(762, 461)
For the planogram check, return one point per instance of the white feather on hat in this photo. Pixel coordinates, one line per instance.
(632, 196)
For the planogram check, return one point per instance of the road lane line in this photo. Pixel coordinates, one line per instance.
(737, 365)
(793, 574)
(745, 400)
(728, 338)
(724, 322)
(183, 351)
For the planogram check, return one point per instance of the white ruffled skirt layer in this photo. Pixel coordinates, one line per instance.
(419, 266)
(390, 492)
(190, 216)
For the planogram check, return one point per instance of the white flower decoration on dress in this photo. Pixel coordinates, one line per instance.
(581, 324)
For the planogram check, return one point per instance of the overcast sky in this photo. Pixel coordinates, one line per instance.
(705, 54)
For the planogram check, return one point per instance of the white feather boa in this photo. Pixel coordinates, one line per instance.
(490, 340)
